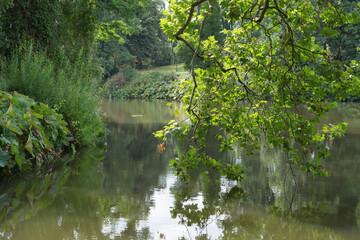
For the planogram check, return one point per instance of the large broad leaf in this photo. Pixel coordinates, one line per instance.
(13, 126)
(29, 145)
(4, 158)
(11, 112)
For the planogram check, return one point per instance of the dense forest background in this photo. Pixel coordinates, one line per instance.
(117, 33)
(122, 34)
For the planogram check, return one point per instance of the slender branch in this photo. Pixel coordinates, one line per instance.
(192, 64)
(248, 90)
(188, 20)
(284, 17)
(249, 10)
(263, 12)
(310, 51)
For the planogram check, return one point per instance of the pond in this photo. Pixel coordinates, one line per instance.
(127, 191)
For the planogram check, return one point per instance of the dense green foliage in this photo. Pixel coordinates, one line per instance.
(269, 79)
(51, 25)
(72, 89)
(148, 85)
(342, 45)
(145, 46)
(31, 134)
(68, 25)
(215, 24)
(149, 47)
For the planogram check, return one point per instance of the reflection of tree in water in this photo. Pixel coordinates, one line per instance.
(358, 214)
(132, 169)
(193, 208)
(116, 199)
(294, 199)
(236, 218)
(72, 212)
(26, 196)
(108, 198)
(111, 198)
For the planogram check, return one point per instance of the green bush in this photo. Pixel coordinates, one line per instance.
(149, 85)
(129, 73)
(30, 133)
(70, 87)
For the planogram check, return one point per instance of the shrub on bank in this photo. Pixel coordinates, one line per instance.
(31, 134)
(69, 87)
(148, 85)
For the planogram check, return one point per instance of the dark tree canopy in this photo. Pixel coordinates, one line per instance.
(68, 25)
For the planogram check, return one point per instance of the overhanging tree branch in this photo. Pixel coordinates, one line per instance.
(263, 12)
(192, 64)
(188, 20)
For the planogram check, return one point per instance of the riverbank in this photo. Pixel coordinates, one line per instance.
(33, 135)
(59, 104)
(156, 83)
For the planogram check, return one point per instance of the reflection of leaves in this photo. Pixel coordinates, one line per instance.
(235, 193)
(214, 204)
(191, 214)
(4, 201)
(25, 197)
(308, 212)
(357, 214)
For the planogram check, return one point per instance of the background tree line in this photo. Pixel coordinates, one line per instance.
(122, 34)
(117, 33)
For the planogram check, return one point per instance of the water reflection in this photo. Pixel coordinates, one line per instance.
(24, 197)
(128, 192)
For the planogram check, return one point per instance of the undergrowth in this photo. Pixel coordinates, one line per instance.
(147, 85)
(31, 134)
(69, 87)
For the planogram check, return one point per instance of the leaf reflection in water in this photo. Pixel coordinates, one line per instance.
(236, 218)
(27, 196)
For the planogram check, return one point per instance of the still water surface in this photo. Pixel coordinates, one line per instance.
(127, 191)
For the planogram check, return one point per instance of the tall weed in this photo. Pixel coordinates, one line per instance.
(69, 87)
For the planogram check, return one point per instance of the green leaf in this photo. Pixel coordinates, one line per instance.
(4, 158)
(54, 134)
(29, 145)
(18, 160)
(13, 127)
(10, 112)
(328, 32)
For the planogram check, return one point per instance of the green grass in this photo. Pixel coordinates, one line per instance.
(181, 72)
(169, 68)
